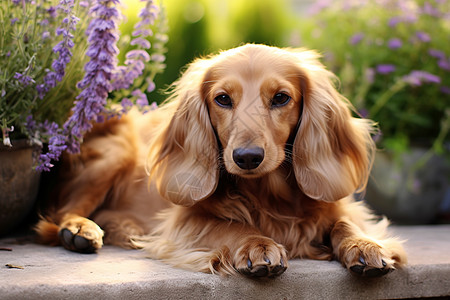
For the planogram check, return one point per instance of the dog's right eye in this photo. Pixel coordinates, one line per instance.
(224, 100)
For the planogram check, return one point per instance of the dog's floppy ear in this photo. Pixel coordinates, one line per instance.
(332, 153)
(183, 158)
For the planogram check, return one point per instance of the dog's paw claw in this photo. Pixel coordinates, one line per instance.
(255, 258)
(75, 242)
(81, 235)
(278, 270)
(365, 270)
(258, 271)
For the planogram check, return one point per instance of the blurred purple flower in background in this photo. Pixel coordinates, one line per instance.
(423, 36)
(395, 43)
(445, 90)
(429, 9)
(417, 78)
(436, 53)
(394, 21)
(356, 38)
(385, 69)
(135, 61)
(444, 64)
(151, 85)
(143, 43)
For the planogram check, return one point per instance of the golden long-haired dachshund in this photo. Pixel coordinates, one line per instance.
(252, 161)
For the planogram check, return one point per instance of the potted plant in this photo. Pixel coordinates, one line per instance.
(393, 62)
(59, 72)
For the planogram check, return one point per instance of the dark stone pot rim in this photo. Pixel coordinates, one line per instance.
(19, 144)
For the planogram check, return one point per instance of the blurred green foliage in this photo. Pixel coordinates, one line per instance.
(200, 27)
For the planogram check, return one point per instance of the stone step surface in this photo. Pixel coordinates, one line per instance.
(32, 271)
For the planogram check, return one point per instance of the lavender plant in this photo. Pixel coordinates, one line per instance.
(393, 62)
(59, 70)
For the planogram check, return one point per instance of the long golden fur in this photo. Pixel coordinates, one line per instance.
(252, 161)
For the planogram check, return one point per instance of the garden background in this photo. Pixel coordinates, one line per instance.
(391, 58)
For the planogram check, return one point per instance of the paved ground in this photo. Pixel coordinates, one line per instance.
(41, 272)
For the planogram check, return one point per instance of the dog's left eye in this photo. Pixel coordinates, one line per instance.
(280, 99)
(224, 100)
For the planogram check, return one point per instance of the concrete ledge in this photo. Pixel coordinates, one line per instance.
(114, 273)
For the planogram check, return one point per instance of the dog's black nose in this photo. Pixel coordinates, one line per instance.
(248, 158)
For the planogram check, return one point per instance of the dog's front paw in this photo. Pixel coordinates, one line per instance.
(80, 235)
(368, 258)
(260, 257)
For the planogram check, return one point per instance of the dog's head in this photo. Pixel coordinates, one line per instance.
(256, 107)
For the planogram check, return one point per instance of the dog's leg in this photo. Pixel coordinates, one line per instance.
(93, 176)
(119, 227)
(200, 243)
(363, 254)
(70, 225)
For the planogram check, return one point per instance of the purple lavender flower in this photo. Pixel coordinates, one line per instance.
(356, 38)
(30, 124)
(143, 43)
(153, 106)
(136, 59)
(141, 98)
(363, 112)
(385, 69)
(151, 85)
(14, 20)
(62, 49)
(56, 145)
(430, 10)
(423, 36)
(158, 57)
(126, 105)
(416, 78)
(52, 12)
(142, 32)
(45, 35)
(23, 79)
(99, 71)
(394, 21)
(138, 54)
(394, 43)
(444, 64)
(148, 15)
(56, 142)
(436, 53)
(445, 90)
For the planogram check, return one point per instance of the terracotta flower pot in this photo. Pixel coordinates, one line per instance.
(19, 183)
